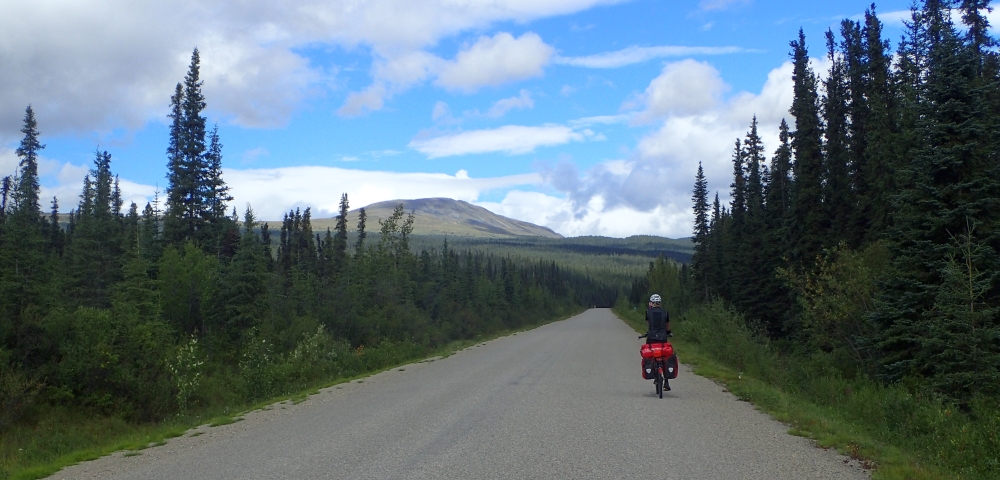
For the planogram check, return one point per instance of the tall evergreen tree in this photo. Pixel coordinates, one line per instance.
(362, 220)
(340, 239)
(881, 157)
(808, 219)
(27, 185)
(838, 198)
(23, 272)
(948, 190)
(778, 201)
(95, 256)
(699, 261)
(196, 195)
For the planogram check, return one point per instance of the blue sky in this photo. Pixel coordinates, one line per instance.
(587, 116)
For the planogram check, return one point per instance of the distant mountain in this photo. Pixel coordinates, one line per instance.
(444, 216)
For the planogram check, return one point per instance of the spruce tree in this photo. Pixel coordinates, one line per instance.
(340, 239)
(23, 272)
(881, 157)
(56, 236)
(778, 189)
(196, 195)
(948, 190)
(808, 219)
(96, 254)
(27, 185)
(756, 269)
(776, 308)
(753, 154)
(362, 220)
(699, 261)
(838, 198)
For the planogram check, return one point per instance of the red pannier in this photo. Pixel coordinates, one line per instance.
(658, 350)
(653, 350)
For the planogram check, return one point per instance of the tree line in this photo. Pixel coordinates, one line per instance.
(872, 233)
(189, 304)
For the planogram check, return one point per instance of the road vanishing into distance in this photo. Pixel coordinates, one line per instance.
(565, 400)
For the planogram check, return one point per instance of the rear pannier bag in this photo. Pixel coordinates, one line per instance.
(670, 372)
(647, 369)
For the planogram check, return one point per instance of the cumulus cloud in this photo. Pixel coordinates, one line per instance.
(559, 214)
(88, 66)
(654, 182)
(511, 139)
(496, 60)
(490, 61)
(113, 64)
(272, 192)
(683, 87)
(636, 54)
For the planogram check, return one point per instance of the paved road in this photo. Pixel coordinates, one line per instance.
(562, 401)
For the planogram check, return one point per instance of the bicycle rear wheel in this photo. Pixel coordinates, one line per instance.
(661, 381)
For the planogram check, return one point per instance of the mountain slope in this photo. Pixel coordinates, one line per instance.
(444, 216)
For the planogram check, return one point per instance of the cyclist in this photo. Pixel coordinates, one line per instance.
(658, 328)
(657, 321)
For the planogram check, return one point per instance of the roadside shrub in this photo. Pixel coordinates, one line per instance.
(18, 392)
(114, 363)
(186, 368)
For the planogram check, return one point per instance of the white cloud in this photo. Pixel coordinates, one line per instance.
(708, 135)
(250, 156)
(272, 192)
(653, 185)
(682, 88)
(559, 214)
(8, 162)
(721, 4)
(635, 54)
(368, 100)
(88, 66)
(440, 111)
(601, 120)
(502, 106)
(512, 139)
(496, 60)
(896, 17)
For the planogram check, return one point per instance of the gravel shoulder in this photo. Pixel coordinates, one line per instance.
(565, 400)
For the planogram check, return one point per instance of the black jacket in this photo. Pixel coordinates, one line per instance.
(656, 323)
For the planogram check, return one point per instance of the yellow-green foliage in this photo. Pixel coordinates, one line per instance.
(836, 299)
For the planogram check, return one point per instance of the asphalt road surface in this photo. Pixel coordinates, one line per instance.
(562, 401)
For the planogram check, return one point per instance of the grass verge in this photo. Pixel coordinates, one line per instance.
(60, 436)
(900, 435)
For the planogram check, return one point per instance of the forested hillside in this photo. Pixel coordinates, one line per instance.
(187, 304)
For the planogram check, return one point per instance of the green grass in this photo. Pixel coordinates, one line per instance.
(223, 420)
(59, 437)
(900, 434)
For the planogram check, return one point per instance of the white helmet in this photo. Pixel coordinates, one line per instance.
(655, 298)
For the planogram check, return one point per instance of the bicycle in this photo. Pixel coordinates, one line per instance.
(662, 363)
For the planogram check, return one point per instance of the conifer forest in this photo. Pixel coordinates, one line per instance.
(145, 312)
(872, 233)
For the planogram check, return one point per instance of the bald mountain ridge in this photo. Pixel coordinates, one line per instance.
(444, 216)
